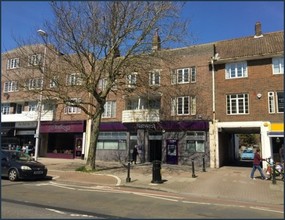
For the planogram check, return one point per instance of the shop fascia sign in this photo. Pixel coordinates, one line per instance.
(26, 124)
(145, 126)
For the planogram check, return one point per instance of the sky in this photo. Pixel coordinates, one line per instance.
(210, 21)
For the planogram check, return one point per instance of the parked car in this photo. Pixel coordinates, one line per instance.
(247, 154)
(18, 165)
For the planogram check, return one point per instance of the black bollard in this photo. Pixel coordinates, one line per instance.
(273, 174)
(193, 169)
(128, 179)
(204, 166)
(156, 174)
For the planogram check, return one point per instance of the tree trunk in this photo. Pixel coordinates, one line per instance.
(91, 161)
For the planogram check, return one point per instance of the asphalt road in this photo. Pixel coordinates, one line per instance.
(51, 200)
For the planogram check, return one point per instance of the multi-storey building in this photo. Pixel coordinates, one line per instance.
(249, 93)
(191, 103)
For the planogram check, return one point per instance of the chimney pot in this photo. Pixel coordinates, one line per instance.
(258, 32)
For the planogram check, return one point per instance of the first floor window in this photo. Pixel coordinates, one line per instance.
(71, 107)
(34, 83)
(109, 109)
(11, 86)
(74, 79)
(132, 79)
(32, 106)
(237, 104)
(34, 59)
(184, 105)
(5, 109)
(275, 102)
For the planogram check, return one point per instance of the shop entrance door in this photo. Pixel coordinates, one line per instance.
(155, 150)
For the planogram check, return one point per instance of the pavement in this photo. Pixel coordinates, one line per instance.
(228, 183)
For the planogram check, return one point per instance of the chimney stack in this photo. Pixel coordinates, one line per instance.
(156, 43)
(258, 32)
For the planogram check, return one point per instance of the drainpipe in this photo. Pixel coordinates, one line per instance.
(213, 59)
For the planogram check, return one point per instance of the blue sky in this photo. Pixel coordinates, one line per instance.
(210, 20)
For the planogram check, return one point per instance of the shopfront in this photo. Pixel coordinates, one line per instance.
(63, 139)
(276, 134)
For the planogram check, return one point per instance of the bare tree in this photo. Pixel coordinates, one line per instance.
(102, 40)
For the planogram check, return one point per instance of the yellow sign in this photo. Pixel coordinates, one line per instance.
(277, 127)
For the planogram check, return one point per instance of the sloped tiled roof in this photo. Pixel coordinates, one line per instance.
(268, 44)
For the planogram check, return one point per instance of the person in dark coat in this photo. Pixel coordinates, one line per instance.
(135, 154)
(256, 165)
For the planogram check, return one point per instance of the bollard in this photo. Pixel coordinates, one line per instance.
(193, 169)
(156, 174)
(128, 179)
(204, 166)
(273, 174)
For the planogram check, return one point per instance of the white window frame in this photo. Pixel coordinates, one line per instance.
(109, 109)
(237, 104)
(278, 65)
(271, 103)
(35, 59)
(184, 75)
(11, 86)
(53, 82)
(132, 80)
(5, 108)
(236, 70)
(32, 106)
(154, 78)
(180, 105)
(35, 83)
(13, 63)
(74, 79)
(71, 109)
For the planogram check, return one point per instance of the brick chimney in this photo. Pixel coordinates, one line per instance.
(258, 32)
(156, 43)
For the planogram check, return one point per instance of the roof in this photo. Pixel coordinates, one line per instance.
(265, 45)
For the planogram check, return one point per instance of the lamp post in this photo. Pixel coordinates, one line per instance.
(37, 135)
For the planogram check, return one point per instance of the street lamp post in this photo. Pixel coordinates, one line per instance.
(37, 135)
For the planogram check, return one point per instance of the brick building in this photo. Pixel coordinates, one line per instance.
(189, 103)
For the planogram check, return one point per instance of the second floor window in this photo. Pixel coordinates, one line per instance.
(132, 79)
(236, 70)
(278, 65)
(11, 86)
(53, 82)
(109, 109)
(237, 104)
(74, 79)
(154, 78)
(181, 76)
(13, 63)
(34, 59)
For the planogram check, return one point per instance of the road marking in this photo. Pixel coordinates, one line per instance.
(56, 211)
(266, 209)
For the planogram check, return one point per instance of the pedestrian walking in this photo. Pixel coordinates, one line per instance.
(135, 154)
(256, 165)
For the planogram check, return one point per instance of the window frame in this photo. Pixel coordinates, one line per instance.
(132, 79)
(10, 86)
(35, 59)
(71, 109)
(278, 101)
(13, 63)
(279, 62)
(234, 66)
(234, 101)
(154, 78)
(74, 79)
(110, 108)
